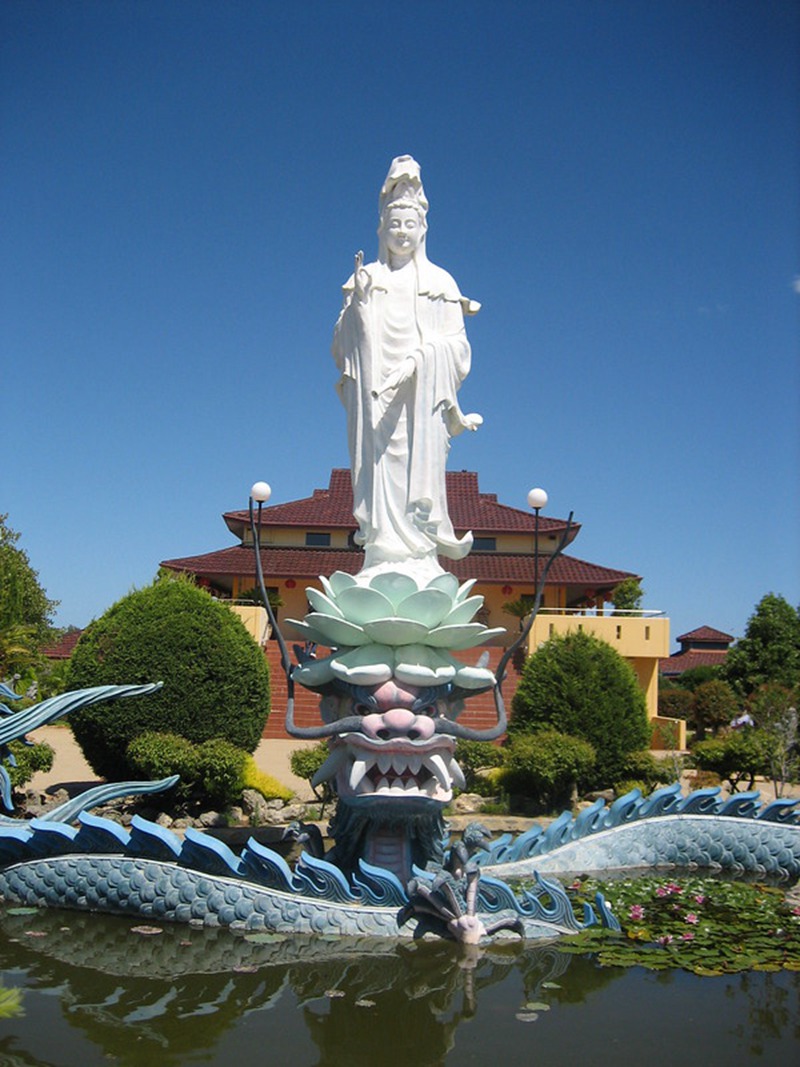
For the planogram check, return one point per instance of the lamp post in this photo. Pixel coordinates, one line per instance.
(537, 499)
(260, 494)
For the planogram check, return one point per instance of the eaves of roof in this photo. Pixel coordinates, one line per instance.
(469, 509)
(498, 568)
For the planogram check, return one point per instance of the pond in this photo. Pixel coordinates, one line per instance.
(99, 989)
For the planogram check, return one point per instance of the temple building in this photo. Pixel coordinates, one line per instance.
(302, 539)
(703, 647)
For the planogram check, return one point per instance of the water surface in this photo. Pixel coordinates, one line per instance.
(97, 992)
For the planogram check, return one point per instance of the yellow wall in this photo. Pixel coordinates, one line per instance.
(642, 641)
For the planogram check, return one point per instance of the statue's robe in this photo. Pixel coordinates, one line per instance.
(399, 440)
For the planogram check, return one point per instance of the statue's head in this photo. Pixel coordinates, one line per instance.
(403, 210)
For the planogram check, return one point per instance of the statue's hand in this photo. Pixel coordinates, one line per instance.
(473, 421)
(404, 372)
(361, 278)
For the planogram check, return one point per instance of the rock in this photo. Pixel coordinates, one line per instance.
(469, 803)
(608, 795)
(211, 818)
(256, 808)
(164, 820)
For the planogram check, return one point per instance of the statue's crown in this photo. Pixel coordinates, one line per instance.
(403, 183)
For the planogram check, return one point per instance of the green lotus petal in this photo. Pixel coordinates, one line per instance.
(339, 580)
(367, 665)
(322, 603)
(314, 672)
(360, 604)
(335, 631)
(420, 665)
(428, 606)
(395, 631)
(463, 612)
(464, 590)
(448, 583)
(395, 586)
(468, 635)
(305, 632)
(474, 677)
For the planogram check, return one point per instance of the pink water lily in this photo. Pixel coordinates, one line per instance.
(690, 917)
(637, 912)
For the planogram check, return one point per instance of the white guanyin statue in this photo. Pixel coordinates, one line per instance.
(403, 353)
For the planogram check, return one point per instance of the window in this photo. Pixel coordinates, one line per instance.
(484, 544)
(318, 540)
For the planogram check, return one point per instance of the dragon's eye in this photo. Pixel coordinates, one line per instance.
(363, 709)
(430, 710)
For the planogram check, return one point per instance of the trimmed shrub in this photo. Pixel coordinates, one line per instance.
(545, 766)
(676, 703)
(305, 762)
(474, 758)
(270, 788)
(216, 678)
(644, 770)
(29, 759)
(578, 685)
(742, 754)
(156, 755)
(715, 705)
(214, 773)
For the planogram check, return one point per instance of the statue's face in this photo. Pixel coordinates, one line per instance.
(402, 231)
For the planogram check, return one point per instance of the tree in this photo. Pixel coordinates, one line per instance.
(216, 678)
(774, 711)
(715, 705)
(627, 596)
(769, 650)
(25, 610)
(579, 685)
(546, 767)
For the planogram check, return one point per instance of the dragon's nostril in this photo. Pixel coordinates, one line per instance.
(413, 735)
(384, 734)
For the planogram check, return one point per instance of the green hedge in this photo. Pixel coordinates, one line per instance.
(545, 766)
(216, 678)
(579, 685)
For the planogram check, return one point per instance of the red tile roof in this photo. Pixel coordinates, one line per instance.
(308, 563)
(332, 508)
(64, 646)
(685, 661)
(705, 633)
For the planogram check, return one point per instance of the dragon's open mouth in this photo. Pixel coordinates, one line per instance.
(397, 771)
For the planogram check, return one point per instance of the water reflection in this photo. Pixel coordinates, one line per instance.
(98, 991)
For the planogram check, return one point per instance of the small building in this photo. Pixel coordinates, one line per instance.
(703, 647)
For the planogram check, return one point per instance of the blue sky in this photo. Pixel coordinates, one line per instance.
(184, 186)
